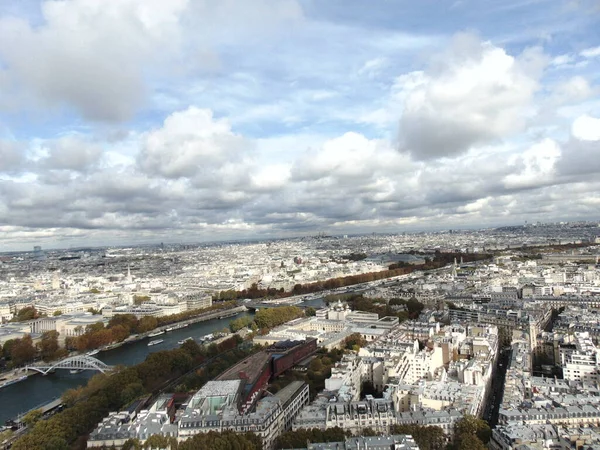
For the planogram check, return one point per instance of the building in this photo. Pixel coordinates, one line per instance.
(218, 407)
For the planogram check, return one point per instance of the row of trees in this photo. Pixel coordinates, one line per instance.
(300, 438)
(212, 440)
(121, 326)
(394, 270)
(272, 317)
(23, 351)
(105, 393)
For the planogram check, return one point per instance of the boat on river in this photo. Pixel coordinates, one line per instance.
(183, 341)
(156, 333)
(4, 382)
(155, 342)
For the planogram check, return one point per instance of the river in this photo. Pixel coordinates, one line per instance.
(38, 389)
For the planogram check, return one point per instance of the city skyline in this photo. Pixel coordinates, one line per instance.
(148, 121)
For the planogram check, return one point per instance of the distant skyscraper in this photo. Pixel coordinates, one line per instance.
(38, 253)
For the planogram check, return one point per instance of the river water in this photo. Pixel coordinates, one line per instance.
(38, 389)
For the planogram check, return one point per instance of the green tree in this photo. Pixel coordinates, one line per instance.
(471, 433)
(132, 444)
(239, 323)
(48, 345)
(272, 317)
(139, 299)
(24, 314)
(473, 426)
(310, 311)
(32, 417)
(6, 349)
(58, 312)
(354, 342)
(299, 438)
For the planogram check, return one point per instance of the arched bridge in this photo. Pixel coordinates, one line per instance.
(80, 362)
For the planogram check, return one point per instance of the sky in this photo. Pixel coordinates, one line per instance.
(140, 121)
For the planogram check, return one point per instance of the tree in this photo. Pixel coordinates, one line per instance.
(310, 311)
(58, 312)
(299, 438)
(48, 345)
(24, 314)
(471, 425)
(239, 323)
(132, 444)
(158, 441)
(222, 441)
(147, 323)
(31, 418)
(119, 333)
(139, 299)
(8, 345)
(471, 433)
(355, 342)
(22, 351)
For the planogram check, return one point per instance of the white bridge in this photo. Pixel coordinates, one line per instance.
(80, 362)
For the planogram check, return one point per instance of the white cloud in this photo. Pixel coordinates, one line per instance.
(592, 52)
(536, 164)
(586, 128)
(475, 94)
(191, 143)
(90, 54)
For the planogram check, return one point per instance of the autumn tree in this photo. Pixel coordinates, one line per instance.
(22, 351)
(147, 323)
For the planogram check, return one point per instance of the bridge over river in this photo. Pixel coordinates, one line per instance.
(74, 363)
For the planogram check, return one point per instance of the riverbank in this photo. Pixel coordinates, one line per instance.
(22, 396)
(16, 375)
(220, 314)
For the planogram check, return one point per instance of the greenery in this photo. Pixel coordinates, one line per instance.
(239, 323)
(380, 306)
(58, 312)
(318, 371)
(222, 441)
(354, 342)
(300, 438)
(355, 256)
(139, 299)
(48, 346)
(19, 351)
(394, 270)
(121, 326)
(471, 433)
(310, 311)
(104, 393)
(32, 417)
(272, 317)
(24, 314)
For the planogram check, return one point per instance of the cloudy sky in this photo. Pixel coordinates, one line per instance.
(130, 121)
